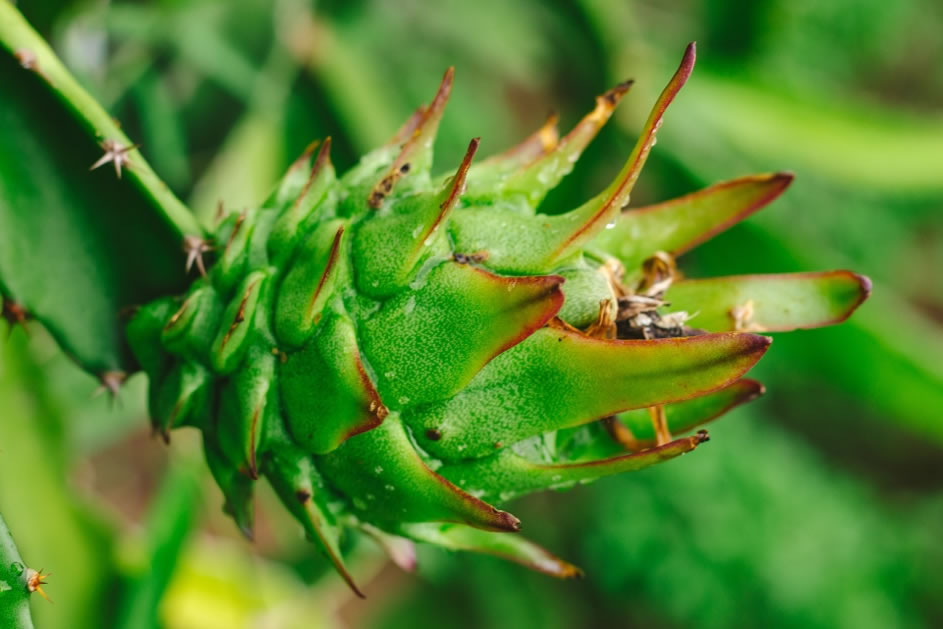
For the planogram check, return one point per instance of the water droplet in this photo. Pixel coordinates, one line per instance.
(378, 469)
(611, 225)
(403, 400)
(17, 568)
(505, 496)
(461, 447)
(4, 587)
(375, 283)
(390, 375)
(417, 231)
(389, 487)
(410, 306)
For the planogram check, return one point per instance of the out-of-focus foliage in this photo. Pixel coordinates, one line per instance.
(820, 505)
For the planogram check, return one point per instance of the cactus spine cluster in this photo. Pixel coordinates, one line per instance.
(402, 353)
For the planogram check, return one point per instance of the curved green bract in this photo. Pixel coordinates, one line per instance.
(770, 303)
(508, 475)
(557, 379)
(681, 224)
(14, 594)
(69, 235)
(513, 547)
(396, 352)
(686, 416)
(400, 487)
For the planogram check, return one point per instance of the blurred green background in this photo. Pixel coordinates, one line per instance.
(821, 505)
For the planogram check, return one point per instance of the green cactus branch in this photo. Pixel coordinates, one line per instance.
(87, 230)
(17, 583)
(19, 39)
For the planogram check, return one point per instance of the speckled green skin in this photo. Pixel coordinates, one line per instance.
(400, 353)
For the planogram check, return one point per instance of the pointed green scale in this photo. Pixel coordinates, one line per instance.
(508, 475)
(585, 288)
(237, 488)
(685, 416)
(513, 547)
(429, 342)
(309, 284)
(415, 157)
(489, 175)
(387, 482)
(678, 225)
(535, 179)
(534, 244)
(327, 393)
(559, 378)
(182, 398)
(236, 330)
(144, 333)
(286, 232)
(296, 178)
(248, 400)
(770, 303)
(189, 330)
(296, 480)
(232, 239)
(393, 243)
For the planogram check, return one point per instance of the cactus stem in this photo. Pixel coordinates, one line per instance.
(117, 154)
(35, 580)
(195, 247)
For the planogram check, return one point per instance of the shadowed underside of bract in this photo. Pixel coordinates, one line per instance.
(402, 353)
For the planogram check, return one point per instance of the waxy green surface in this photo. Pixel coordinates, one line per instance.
(393, 351)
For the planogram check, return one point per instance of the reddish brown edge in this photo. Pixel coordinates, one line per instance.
(778, 184)
(455, 191)
(406, 131)
(490, 518)
(375, 416)
(607, 102)
(644, 145)
(324, 156)
(533, 146)
(422, 128)
(566, 569)
(754, 345)
(863, 282)
(240, 314)
(328, 268)
(661, 453)
(750, 390)
(551, 282)
(302, 159)
(315, 520)
(240, 219)
(253, 442)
